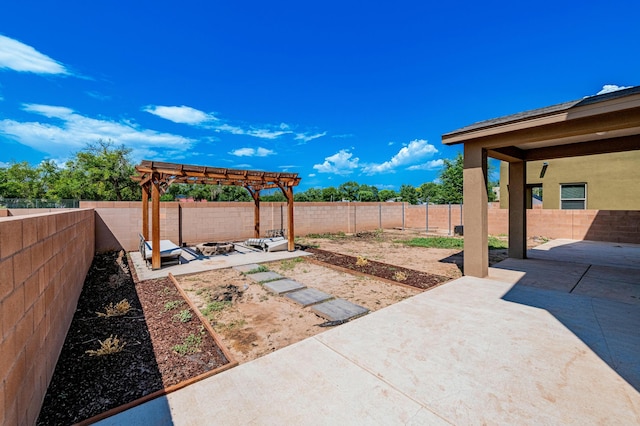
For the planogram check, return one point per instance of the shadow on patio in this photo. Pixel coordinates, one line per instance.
(592, 288)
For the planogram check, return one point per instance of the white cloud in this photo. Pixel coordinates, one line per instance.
(390, 143)
(18, 56)
(429, 165)
(266, 134)
(75, 131)
(608, 88)
(414, 152)
(339, 163)
(306, 138)
(180, 114)
(311, 175)
(251, 152)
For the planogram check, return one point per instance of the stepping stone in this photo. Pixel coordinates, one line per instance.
(283, 286)
(308, 296)
(246, 268)
(265, 276)
(338, 310)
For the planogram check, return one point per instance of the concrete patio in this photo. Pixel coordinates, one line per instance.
(554, 339)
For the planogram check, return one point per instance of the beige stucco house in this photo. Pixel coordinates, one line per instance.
(592, 126)
(598, 182)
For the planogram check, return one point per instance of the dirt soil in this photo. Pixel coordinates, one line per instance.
(85, 385)
(256, 322)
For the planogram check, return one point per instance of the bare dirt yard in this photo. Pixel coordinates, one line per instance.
(254, 322)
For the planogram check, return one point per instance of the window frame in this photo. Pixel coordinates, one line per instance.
(574, 199)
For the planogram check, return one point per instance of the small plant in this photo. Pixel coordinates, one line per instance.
(190, 345)
(328, 235)
(172, 305)
(361, 261)
(215, 306)
(260, 268)
(400, 276)
(288, 265)
(183, 316)
(165, 291)
(121, 308)
(110, 345)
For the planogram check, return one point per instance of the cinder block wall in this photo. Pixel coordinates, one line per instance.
(118, 224)
(44, 259)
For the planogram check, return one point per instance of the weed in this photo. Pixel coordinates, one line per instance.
(108, 346)
(231, 325)
(183, 316)
(450, 242)
(400, 276)
(190, 345)
(362, 261)
(260, 268)
(165, 291)
(215, 306)
(120, 308)
(328, 235)
(172, 305)
(288, 265)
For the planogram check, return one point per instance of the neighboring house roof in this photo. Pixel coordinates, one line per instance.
(541, 112)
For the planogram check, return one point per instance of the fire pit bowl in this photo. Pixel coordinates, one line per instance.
(210, 249)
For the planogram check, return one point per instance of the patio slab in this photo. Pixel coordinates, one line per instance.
(194, 264)
(261, 277)
(246, 268)
(283, 286)
(308, 296)
(338, 310)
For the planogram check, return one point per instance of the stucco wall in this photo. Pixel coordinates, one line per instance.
(612, 180)
(44, 259)
(119, 223)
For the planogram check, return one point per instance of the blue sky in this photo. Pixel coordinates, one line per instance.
(332, 90)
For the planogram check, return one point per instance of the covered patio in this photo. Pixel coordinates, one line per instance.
(594, 125)
(155, 177)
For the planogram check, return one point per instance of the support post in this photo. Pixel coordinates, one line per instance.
(145, 212)
(291, 246)
(155, 225)
(476, 249)
(256, 211)
(518, 210)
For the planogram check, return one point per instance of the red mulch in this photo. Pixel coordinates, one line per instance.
(405, 276)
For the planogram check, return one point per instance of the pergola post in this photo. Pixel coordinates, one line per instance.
(155, 224)
(255, 194)
(288, 193)
(145, 212)
(476, 225)
(518, 209)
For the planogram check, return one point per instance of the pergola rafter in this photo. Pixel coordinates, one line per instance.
(155, 177)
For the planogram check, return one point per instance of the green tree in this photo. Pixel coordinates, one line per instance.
(451, 180)
(429, 192)
(278, 197)
(108, 170)
(387, 194)
(349, 190)
(330, 194)
(409, 194)
(21, 180)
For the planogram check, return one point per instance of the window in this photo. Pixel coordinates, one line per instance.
(573, 196)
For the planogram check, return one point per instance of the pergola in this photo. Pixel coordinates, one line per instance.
(594, 125)
(155, 177)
